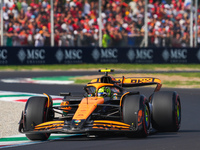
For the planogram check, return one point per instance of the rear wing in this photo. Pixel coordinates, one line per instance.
(127, 82)
(132, 82)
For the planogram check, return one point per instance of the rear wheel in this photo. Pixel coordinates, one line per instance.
(36, 113)
(135, 112)
(166, 112)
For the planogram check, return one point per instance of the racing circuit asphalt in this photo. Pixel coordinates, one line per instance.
(188, 136)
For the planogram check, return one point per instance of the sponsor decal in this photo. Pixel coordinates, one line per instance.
(145, 80)
(131, 55)
(32, 56)
(73, 55)
(96, 54)
(59, 55)
(3, 56)
(77, 121)
(107, 55)
(69, 56)
(175, 55)
(140, 55)
(165, 55)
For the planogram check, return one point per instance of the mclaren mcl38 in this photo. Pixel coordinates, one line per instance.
(107, 105)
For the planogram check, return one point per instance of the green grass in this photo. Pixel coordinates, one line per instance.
(195, 84)
(103, 66)
(187, 74)
(80, 81)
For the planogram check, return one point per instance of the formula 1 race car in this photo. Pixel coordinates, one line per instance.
(106, 107)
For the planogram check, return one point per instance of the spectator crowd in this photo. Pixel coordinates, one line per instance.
(76, 23)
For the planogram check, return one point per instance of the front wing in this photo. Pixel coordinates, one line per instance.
(91, 126)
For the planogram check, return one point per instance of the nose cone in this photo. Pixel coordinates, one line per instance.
(77, 124)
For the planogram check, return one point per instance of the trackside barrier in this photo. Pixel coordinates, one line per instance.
(79, 55)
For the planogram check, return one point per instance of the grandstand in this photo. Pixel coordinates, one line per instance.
(76, 23)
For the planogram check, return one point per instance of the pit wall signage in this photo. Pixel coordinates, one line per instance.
(80, 55)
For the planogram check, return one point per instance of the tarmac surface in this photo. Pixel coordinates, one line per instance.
(188, 136)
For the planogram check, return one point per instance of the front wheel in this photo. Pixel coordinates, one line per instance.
(136, 113)
(36, 113)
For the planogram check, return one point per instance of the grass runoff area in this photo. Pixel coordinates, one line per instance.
(171, 75)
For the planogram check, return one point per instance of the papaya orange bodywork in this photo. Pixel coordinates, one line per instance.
(87, 106)
(50, 125)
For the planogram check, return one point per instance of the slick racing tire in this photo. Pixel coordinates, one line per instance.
(36, 113)
(135, 112)
(166, 111)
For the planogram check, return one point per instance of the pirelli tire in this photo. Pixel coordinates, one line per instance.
(132, 106)
(36, 113)
(166, 111)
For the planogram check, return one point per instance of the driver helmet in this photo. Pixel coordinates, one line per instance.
(104, 91)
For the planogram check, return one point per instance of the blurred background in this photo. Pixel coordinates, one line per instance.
(100, 23)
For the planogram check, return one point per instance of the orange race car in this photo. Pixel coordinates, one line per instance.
(105, 107)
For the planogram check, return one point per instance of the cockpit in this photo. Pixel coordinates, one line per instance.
(103, 91)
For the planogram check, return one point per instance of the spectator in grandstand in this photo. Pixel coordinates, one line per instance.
(23, 37)
(28, 13)
(86, 7)
(132, 34)
(47, 36)
(9, 35)
(176, 40)
(15, 11)
(29, 37)
(95, 34)
(76, 22)
(19, 5)
(167, 39)
(198, 38)
(133, 6)
(185, 40)
(63, 38)
(9, 3)
(45, 4)
(106, 40)
(22, 18)
(15, 38)
(116, 37)
(39, 39)
(24, 6)
(67, 4)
